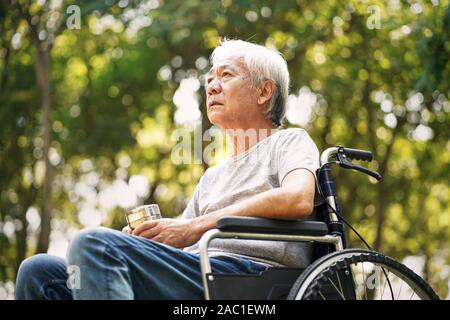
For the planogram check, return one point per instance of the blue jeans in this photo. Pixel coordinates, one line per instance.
(114, 265)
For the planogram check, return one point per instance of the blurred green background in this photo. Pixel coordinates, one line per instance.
(101, 93)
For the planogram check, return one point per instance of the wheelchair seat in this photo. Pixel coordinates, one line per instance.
(273, 283)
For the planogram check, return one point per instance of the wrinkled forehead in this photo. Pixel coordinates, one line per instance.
(233, 62)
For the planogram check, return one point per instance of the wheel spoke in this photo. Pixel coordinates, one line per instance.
(385, 282)
(340, 286)
(323, 297)
(399, 291)
(364, 281)
(355, 284)
(340, 293)
(330, 275)
(413, 292)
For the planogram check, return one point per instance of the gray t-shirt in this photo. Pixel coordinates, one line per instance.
(260, 168)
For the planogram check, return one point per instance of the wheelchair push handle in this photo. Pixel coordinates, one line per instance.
(357, 154)
(344, 153)
(342, 156)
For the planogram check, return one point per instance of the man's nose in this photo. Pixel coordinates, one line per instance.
(213, 87)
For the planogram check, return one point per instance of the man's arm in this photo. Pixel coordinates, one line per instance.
(293, 200)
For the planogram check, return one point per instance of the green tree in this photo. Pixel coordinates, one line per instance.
(98, 103)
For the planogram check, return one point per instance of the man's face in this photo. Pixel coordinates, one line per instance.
(231, 99)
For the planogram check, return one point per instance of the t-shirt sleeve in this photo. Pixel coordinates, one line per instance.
(297, 151)
(192, 209)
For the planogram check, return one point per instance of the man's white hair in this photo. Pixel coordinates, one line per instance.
(263, 64)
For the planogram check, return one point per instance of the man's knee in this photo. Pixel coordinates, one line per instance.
(35, 271)
(32, 265)
(90, 240)
(85, 240)
(41, 264)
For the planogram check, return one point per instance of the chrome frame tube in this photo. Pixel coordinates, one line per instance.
(327, 154)
(331, 214)
(325, 158)
(205, 264)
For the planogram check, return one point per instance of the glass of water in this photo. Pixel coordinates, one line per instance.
(143, 213)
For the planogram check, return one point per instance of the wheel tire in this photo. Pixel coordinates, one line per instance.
(315, 277)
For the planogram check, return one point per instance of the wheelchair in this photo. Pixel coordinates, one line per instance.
(336, 272)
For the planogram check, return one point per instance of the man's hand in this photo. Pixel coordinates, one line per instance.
(178, 233)
(127, 229)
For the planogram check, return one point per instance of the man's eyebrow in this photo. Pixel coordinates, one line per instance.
(223, 66)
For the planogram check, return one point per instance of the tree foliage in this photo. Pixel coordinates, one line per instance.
(113, 85)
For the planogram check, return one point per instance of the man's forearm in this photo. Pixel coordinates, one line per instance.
(279, 203)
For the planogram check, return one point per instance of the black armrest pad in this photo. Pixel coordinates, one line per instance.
(263, 225)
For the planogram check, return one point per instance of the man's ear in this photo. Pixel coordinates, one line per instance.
(266, 91)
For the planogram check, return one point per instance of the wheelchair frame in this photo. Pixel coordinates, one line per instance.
(334, 238)
(205, 264)
(331, 260)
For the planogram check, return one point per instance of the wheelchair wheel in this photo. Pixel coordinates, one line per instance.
(358, 274)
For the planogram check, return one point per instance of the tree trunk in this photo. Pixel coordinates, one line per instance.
(28, 196)
(43, 79)
(43, 48)
(382, 201)
(206, 125)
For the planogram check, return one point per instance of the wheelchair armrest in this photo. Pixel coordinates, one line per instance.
(263, 225)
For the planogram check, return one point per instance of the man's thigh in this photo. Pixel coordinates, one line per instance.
(154, 270)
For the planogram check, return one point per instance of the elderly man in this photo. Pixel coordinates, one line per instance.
(271, 176)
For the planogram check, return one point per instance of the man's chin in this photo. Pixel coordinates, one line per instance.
(214, 118)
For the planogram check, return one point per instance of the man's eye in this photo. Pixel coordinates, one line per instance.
(226, 74)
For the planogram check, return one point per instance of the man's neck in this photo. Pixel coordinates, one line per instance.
(244, 139)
